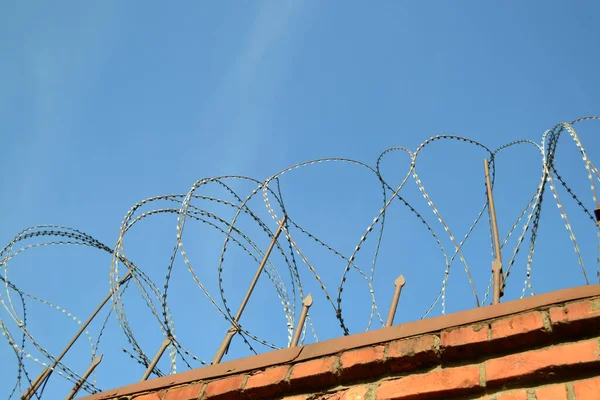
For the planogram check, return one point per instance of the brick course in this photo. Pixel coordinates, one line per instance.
(440, 383)
(543, 362)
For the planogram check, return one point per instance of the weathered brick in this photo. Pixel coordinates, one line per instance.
(552, 392)
(465, 335)
(518, 330)
(414, 352)
(356, 393)
(439, 383)
(466, 341)
(227, 388)
(587, 389)
(585, 309)
(314, 374)
(353, 393)
(266, 383)
(541, 362)
(362, 363)
(190, 392)
(151, 396)
(582, 317)
(513, 395)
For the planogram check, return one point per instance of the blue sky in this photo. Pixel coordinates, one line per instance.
(103, 105)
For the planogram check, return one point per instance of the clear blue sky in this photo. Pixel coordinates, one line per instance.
(103, 105)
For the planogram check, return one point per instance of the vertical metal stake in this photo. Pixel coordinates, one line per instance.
(497, 264)
(48, 371)
(87, 373)
(37, 383)
(306, 303)
(157, 357)
(399, 283)
(234, 326)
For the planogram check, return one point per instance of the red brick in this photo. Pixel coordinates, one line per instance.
(442, 382)
(362, 363)
(228, 388)
(541, 362)
(314, 374)
(354, 393)
(465, 335)
(151, 396)
(466, 341)
(190, 392)
(266, 383)
(587, 389)
(552, 392)
(520, 327)
(514, 395)
(574, 312)
(413, 352)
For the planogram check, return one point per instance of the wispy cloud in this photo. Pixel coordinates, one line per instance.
(246, 95)
(60, 59)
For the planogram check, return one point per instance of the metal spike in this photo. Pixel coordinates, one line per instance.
(87, 373)
(497, 263)
(234, 326)
(48, 371)
(156, 358)
(399, 283)
(306, 303)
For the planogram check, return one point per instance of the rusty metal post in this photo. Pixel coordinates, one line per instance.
(306, 303)
(497, 264)
(48, 371)
(157, 357)
(399, 283)
(234, 326)
(87, 373)
(37, 383)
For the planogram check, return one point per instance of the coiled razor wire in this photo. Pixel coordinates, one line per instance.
(190, 208)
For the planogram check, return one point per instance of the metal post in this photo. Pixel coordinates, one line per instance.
(46, 373)
(306, 303)
(37, 382)
(497, 273)
(234, 326)
(157, 357)
(87, 373)
(399, 283)
(497, 264)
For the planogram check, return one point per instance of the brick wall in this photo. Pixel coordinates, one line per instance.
(543, 347)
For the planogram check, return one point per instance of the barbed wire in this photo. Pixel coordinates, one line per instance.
(193, 207)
